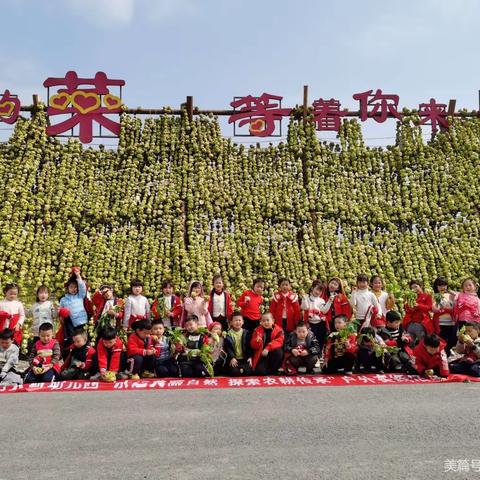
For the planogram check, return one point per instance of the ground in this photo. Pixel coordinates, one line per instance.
(361, 432)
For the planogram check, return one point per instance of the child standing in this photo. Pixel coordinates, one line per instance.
(165, 366)
(338, 302)
(8, 359)
(341, 348)
(429, 357)
(196, 304)
(105, 301)
(285, 307)
(140, 351)
(44, 357)
(467, 303)
(136, 305)
(302, 349)
(417, 321)
(79, 362)
(250, 302)
(314, 309)
(365, 304)
(443, 321)
(43, 310)
(267, 345)
(111, 357)
(468, 347)
(237, 348)
(74, 301)
(12, 312)
(191, 365)
(220, 303)
(386, 301)
(168, 306)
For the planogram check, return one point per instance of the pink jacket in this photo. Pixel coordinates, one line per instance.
(199, 307)
(467, 308)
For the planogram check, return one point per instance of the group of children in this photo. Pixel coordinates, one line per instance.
(204, 335)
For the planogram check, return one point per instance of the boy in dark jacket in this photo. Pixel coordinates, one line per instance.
(79, 362)
(302, 349)
(237, 348)
(394, 336)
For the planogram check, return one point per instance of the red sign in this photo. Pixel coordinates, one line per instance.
(259, 113)
(83, 106)
(434, 114)
(9, 107)
(381, 105)
(327, 114)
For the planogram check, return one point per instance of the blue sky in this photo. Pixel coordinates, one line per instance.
(214, 50)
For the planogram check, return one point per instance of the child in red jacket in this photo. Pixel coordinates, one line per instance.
(285, 307)
(111, 357)
(429, 357)
(249, 303)
(267, 345)
(140, 351)
(79, 362)
(220, 303)
(337, 301)
(341, 348)
(417, 321)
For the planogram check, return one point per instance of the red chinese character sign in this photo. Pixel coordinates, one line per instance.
(9, 107)
(80, 106)
(327, 114)
(377, 106)
(433, 114)
(261, 115)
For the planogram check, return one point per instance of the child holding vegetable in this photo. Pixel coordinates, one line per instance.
(165, 365)
(467, 361)
(250, 302)
(417, 321)
(111, 357)
(372, 353)
(168, 306)
(341, 347)
(429, 357)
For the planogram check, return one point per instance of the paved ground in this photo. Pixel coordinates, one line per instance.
(384, 432)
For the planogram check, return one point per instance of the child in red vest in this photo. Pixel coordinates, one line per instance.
(12, 312)
(285, 307)
(140, 351)
(220, 303)
(417, 321)
(168, 306)
(429, 357)
(111, 357)
(79, 362)
(250, 302)
(44, 357)
(267, 345)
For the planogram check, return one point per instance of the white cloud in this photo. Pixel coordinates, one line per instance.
(118, 13)
(103, 13)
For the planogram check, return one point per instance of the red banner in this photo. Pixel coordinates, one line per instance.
(223, 382)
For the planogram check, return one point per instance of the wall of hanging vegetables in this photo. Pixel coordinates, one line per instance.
(177, 200)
